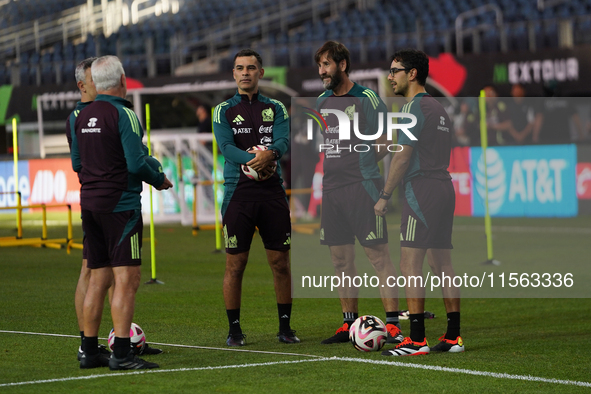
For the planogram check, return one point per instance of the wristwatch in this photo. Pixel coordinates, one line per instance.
(275, 154)
(384, 195)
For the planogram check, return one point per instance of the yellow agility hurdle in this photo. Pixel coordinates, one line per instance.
(56, 243)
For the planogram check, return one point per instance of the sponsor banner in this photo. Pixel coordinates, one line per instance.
(550, 66)
(584, 181)
(459, 169)
(54, 182)
(584, 178)
(533, 181)
(7, 185)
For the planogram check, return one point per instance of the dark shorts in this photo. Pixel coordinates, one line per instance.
(112, 239)
(271, 217)
(84, 254)
(427, 214)
(347, 212)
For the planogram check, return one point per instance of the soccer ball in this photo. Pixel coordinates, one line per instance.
(252, 174)
(154, 163)
(368, 333)
(136, 336)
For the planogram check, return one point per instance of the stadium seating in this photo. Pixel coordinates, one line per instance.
(364, 29)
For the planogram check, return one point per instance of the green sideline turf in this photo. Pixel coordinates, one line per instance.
(540, 337)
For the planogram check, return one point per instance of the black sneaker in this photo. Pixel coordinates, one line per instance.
(409, 348)
(449, 345)
(102, 350)
(288, 337)
(342, 335)
(394, 334)
(235, 339)
(93, 361)
(130, 362)
(148, 350)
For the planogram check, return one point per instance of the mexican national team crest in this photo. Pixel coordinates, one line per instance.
(231, 242)
(350, 112)
(268, 115)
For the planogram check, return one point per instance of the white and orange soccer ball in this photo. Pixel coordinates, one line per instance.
(254, 175)
(368, 333)
(136, 336)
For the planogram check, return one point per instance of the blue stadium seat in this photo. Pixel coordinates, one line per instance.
(47, 74)
(432, 44)
(281, 56)
(4, 75)
(490, 41)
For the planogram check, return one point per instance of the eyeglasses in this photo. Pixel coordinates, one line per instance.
(394, 70)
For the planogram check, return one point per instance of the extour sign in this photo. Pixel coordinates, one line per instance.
(538, 71)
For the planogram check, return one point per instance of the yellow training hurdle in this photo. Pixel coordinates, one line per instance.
(18, 240)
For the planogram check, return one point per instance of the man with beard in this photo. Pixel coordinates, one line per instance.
(351, 186)
(429, 203)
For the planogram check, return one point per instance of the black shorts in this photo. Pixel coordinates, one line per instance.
(112, 239)
(427, 214)
(271, 217)
(347, 212)
(84, 254)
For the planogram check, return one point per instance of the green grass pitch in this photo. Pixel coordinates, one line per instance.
(508, 338)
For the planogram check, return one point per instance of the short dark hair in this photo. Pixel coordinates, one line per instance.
(413, 58)
(335, 51)
(249, 52)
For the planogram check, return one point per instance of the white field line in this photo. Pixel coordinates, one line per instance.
(150, 371)
(172, 345)
(495, 375)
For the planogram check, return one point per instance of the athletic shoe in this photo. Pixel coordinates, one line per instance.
(93, 361)
(394, 334)
(403, 315)
(131, 361)
(342, 335)
(102, 350)
(408, 348)
(288, 337)
(449, 345)
(235, 339)
(146, 350)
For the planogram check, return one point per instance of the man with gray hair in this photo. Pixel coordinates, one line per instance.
(87, 95)
(110, 159)
(87, 89)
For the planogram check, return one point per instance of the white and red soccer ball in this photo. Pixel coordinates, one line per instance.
(136, 336)
(254, 175)
(368, 334)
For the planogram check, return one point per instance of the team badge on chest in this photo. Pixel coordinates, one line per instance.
(268, 115)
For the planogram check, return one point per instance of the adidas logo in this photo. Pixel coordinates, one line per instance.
(238, 119)
(288, 242)
(371, 236)
(236, 321)
(284, 317)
